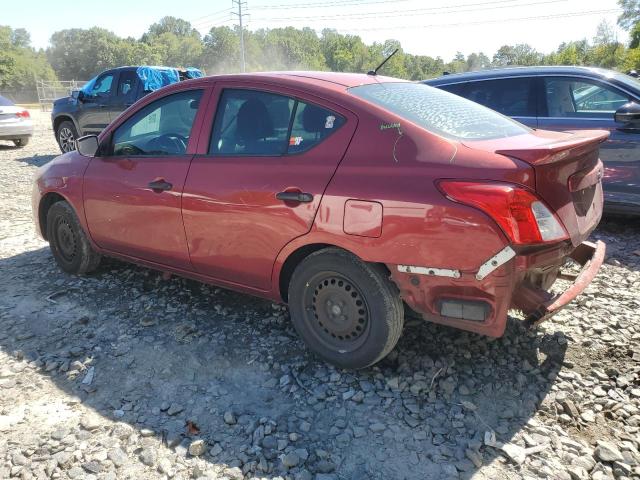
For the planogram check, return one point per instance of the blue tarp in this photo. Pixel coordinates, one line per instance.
(194, 73)
(153, 78)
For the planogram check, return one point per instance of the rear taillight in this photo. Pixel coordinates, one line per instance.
(23, 114)
(518, 211)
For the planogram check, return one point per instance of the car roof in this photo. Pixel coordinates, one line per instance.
(521, 71)
(328, 81)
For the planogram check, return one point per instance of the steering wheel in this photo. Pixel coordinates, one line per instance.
(168, 143)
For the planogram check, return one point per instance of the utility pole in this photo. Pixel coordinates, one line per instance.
(240, 15)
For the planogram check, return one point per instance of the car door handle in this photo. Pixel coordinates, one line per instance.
(294, 197)
(160, 185)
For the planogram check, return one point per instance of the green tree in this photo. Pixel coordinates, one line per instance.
(21, 65)
(630, 15)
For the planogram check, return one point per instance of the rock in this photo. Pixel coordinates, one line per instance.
(88, 378)
(118, 457)
(174, 409)
(325, 466)
(197, 448)
(377, 427)
(165, 466)
(148, 456)
(229, 418)
(89, 422)
(290, 460)
(216, 450)
(607, 452)
(588, 416)
(514, 452)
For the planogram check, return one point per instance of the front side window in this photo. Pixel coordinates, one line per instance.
(161, 128)
(102, 86)
(256, 123)
(511, 97)
(439, 111)
(578, 98)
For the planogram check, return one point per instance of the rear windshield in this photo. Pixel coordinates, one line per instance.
(5, 102)
(440, 112)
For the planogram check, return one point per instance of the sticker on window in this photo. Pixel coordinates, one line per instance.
(295, 141)
(329, 121)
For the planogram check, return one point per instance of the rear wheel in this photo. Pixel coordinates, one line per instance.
(348, 312)
(66, 135)
(69, 244)
(21, 142)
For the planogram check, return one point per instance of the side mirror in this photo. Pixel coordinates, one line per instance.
(629, 113)
(87, 146)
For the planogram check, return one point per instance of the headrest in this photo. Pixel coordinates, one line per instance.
(314, 119)
(254, 121)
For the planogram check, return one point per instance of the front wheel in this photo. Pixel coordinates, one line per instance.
(348, 312)
(66, 135)
(21, 142)
(70, 246)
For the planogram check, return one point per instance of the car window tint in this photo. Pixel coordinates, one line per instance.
(250, 122)
(311, 125)
(161, 128)
(439, 111)
(456, 88)
(5, 102)
(102, 86)
(570, 97)
(510, 97)
(127, 84)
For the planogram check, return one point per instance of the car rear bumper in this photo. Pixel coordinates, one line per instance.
(9, 131)
(540, 305)
(479, 301)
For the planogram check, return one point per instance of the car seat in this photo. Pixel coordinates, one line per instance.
(254, 125)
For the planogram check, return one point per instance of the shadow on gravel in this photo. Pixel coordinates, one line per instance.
(622, 236)
(36, 160)
(157, 354)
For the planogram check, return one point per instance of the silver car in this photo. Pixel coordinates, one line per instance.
(15, 123)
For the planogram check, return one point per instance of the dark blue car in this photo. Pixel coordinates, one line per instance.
(569, 98)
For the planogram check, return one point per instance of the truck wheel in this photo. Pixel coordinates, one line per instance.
(347, 312)
(21, 142)
(69, 244)
(66, 134)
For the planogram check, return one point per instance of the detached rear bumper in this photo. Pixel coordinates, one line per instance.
(479, 301)
(540, 305)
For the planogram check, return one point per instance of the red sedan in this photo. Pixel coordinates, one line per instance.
(347, 196)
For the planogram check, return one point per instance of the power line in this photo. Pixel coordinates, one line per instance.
(349, 3)
(225, 10)
(483, 22)
(413, 12)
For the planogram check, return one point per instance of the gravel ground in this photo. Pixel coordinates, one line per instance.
(122, 374)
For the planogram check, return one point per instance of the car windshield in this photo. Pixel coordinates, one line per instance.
(5, 102)
(439, 111)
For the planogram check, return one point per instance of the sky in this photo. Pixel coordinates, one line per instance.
(424, 27)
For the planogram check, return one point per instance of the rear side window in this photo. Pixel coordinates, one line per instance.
(439, 112)
(127, 85)
(256, 123)
(510, 96)
(456, 88)
(5, 102)
(161, 128)
(578, 98)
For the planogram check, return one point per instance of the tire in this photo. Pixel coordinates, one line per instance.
(66, 135)
(348, 312)
(21, 142)
(69, 244)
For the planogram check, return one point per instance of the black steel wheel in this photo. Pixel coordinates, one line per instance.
(70, 246)
(348, 312)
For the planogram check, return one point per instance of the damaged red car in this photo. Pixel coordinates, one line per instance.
(347, 196)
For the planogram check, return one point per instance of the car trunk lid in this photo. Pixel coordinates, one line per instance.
(567, 170)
